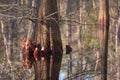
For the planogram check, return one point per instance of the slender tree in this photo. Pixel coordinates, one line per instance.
(79, 31)
(69, 34)
(117, 41)
(103, 23)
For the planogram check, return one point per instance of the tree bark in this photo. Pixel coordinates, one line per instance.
(103, 24)
(69, 10)
(48, 35)
(117, 42)
(31, 30)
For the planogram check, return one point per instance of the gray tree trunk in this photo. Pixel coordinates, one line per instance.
(117, 42)
(69, 35)
(79, 30)
(31, 30)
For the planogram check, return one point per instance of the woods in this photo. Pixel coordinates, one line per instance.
(59, 40)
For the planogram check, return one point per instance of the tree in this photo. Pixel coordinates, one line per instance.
(69, 10)
(103, 23)
(48, 36)
(117, 41)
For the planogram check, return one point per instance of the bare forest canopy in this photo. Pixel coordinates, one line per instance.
(79, 23)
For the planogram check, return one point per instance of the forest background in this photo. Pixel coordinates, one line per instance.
(78, 22)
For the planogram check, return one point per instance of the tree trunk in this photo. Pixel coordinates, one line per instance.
(117, 42)
(31, 30)
(69, 35)
(117, 56)
(79, 30)
(103, 22)
(48, 35)
(43, 39)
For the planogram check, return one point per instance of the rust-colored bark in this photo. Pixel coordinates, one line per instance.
(103, 22)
